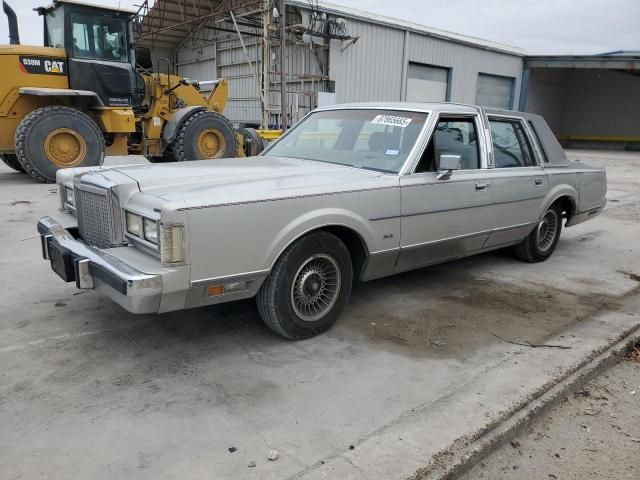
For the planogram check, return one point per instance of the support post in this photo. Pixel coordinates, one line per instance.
(524, 89)
(283, 70)
(266, 60)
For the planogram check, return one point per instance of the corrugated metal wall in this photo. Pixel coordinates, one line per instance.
(602, 103)
(548, 95)
(586, 102)
(465, 63)
(372, 69)
(157, 53)
(197, 63)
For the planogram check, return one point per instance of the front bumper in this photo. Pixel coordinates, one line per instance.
(74, 261)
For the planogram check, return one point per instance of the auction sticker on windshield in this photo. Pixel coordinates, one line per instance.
(401, 122)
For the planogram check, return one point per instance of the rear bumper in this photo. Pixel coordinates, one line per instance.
(74, 261)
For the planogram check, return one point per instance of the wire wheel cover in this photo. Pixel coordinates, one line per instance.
(315, 287)
(547, 230)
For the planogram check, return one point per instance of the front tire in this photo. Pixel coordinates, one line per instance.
(542, 241)
(308, 287)
(51, 138)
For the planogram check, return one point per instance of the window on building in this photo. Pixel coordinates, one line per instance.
(494, 91)
(511, 147)
(426, 83)
(452, 136)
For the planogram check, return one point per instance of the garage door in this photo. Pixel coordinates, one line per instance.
(494, 91)
(426, 83)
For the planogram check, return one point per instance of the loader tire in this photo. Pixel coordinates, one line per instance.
(253, 143)
(203, 136)
(51, 138)
(12, 161)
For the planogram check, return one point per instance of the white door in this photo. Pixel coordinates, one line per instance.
(494, 91)
(426, 83)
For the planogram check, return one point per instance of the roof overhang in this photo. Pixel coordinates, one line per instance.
(57, 3)
(610, 62)
(167, 23)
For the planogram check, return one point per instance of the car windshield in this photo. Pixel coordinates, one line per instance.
(371, 139)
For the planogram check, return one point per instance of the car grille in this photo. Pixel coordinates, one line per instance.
(95, 217)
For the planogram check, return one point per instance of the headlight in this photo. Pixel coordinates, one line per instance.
(171, 244)
(151, 230)
(134, 224)
(69, 196)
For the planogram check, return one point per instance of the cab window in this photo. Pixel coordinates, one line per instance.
(511, 147)
(54, 26)
(452, 136)
(99, 38)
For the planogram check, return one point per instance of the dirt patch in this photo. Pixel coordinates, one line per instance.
(634, 355)
(443, 311)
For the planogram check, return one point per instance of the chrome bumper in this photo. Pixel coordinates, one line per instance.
(73, 260)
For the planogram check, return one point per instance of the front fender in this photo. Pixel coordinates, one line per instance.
(315, 220)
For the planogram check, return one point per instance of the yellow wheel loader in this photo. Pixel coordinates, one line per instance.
(89, 93)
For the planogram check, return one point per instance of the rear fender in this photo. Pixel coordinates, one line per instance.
(176, 121)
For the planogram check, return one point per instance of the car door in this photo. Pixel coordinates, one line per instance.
(519, 182)
(446, 216)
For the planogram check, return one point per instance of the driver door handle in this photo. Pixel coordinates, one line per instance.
(481, 187)
(539, 182)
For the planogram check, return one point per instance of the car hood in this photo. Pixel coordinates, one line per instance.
(236, 180)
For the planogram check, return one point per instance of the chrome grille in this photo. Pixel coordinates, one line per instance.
(95, 218)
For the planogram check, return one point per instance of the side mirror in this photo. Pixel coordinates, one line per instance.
(143, 58)
(137, 25)
(447, 165)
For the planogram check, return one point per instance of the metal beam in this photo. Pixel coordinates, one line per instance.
(630, 63)
(283, 69)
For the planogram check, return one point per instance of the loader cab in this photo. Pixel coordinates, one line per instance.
(98, 42)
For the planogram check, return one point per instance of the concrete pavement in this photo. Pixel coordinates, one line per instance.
(413, 370)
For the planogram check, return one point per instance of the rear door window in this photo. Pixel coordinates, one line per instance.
(511, 147)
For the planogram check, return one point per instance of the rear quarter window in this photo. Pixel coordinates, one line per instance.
(536, 139)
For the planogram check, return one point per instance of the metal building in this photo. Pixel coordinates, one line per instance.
(588, 100)
(334, 55)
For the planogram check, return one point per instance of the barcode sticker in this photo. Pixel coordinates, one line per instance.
(401, 122)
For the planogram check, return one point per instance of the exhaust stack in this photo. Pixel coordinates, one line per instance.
(14, 35)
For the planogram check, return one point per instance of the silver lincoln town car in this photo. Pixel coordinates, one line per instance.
(351, 193)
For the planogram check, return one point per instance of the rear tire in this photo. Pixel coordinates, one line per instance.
(51, 138)
(307, 288)
(204, 135)
(11, 161)
(253, 143)
(542, 241)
